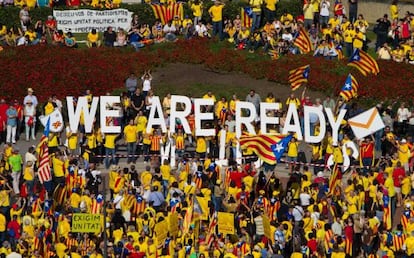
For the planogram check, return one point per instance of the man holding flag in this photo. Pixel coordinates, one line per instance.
(44, 173)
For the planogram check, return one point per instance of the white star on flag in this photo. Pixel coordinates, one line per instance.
(279, 147)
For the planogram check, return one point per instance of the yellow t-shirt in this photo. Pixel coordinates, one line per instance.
(197, 10)
(271, 4)
(58, 167)
(93, 38)
(216, 12)
(28, 174)
(141, 122)
(201, 145)
(293, 149)
(165, 172)
(130, 132)
(389, 184)
(110, 141)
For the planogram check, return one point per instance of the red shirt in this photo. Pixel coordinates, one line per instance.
(367, 150)
(312, 244)
(397, 175)
(14, 225)
(380, 178)
(237, 177)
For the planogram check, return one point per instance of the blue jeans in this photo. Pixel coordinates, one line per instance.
(218, 29)
(256, 21)
(349, 49)
(165, 187)
(131, 147)
(137, 45)
(217, 203)
(109, 157)
(269, 15)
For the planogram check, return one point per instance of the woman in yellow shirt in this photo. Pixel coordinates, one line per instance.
(293, 151)
(93, 39)
(28, 176)
(197, 8)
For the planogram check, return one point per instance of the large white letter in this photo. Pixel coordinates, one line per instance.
(174, 114)
(264, 119)
(322, 124)
(203, 116)
(152, 120)
(335, 124)
(246, 120)
(295, 127)
(82, 105)
(105, 102)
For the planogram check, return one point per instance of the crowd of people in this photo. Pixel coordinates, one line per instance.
(302, 216)
(370, 213)
(333, 34)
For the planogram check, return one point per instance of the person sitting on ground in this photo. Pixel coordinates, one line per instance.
(70, 40)
(93, 39)
(170, 30)
(109, 37)
(121, 38)
(384, 52)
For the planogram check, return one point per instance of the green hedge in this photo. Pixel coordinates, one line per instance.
(10, 15)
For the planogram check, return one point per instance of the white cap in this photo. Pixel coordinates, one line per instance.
(320, 174)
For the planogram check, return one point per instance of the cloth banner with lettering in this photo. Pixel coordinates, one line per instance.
(225, 222)
(84, 20)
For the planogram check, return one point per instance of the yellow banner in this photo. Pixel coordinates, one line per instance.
(266, 226)
(225, 222)
(173, 224)
(203, 202)
(161, 231)
(86, 223)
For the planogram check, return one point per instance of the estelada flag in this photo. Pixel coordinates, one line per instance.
(246, 14)
(299, 76)
(350, 89)
(363, 62)
(261, 145)
(302, 41)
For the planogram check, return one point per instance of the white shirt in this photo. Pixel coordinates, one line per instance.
(200, 29)
(325, 8)
(169, 29)
(31, 98)
(30, 157)
(304, 199)
(14, 255)
(337, 228)
(117, 201)
(29, 110)
(146, 84)
(297, 213)
(403, 114)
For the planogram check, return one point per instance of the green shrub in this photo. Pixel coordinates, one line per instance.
(10, 15)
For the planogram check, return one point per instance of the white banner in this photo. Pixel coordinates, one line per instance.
(84, 20)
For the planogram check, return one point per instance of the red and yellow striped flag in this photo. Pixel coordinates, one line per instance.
(298, 76)
(364, 63)
(303, 42)
(334, 179)
(246, 19)
(261, 146)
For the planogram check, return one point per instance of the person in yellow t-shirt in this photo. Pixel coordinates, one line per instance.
(197, 8)
(28, 176)
(349, 35)
(92, 39)
(131, 138)
(110, 149)
(359, 39)
(216, 14)
(201, 148)
(58, 169)
(292, 153)
(270, 10)
(394, 10)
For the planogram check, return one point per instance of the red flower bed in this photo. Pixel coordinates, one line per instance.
(53, 70)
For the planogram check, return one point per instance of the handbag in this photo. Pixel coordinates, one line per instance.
(30, 121)
(391, 34)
